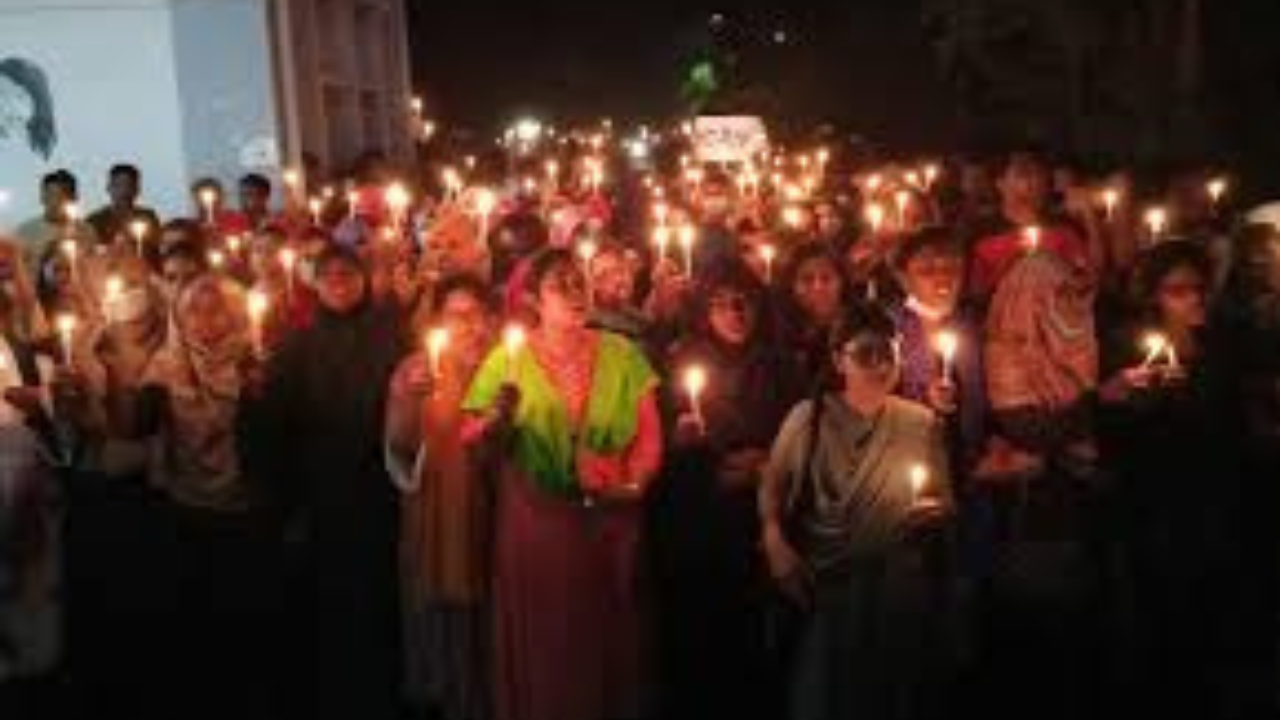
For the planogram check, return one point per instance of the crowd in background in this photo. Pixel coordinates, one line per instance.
(795, 438)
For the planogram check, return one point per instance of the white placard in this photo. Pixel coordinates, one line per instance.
(729, 138)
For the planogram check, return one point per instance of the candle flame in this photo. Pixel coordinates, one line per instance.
(947, 343)
(695, 380)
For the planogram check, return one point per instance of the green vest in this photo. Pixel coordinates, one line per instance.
(545, 439)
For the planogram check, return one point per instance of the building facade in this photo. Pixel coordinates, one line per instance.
(189, 88)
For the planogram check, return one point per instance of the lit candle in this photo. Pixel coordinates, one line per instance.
(695, 382)
(452, 183)
(353, 201)
(947, 343)
(293, 183)
(587, 251)
(1156, 345)
(485, 201)
(913, 179)
(217, 260)
(66, 324)
(257, 305)
(397, 199)
(874, 213)
(1157, 219)
(918, 475)
(1110, 199)
(208, 198)
(767, 253)
(288, 260)
(553, 172)
(793, 217)
(688, 236)
(437, 341)
(234, 244)
(662, 238)
(1216, 188)
(513, 341)
(315, 205)
(902, 199)
(139, 230)
(1033, 234)
(931, 172)
(873, 183)
(660, 212)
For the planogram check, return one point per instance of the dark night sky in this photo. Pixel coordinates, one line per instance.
(866, 65)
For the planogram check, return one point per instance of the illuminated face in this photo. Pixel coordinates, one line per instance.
(467, 321)
(612, 279)
(817, 290)
(933, 278)
(731, 317)
(1180, 298)
(207, 316)
(562, 296)
(340, 285)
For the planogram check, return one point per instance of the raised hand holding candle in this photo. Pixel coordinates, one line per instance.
(695, 383)
(397, 198)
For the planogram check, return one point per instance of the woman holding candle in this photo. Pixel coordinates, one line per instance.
(1168, 428)
(710, 592)
(571, 421)
(444, 506)
(941, 347)
(852, 539)
(115, 543)
(319, 439)
(195, 398)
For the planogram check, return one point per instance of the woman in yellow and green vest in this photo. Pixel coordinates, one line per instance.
(570, 424)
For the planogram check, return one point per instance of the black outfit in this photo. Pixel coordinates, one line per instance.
(320, 437)
(712, 591)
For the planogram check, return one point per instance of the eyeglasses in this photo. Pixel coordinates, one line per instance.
(871, 351)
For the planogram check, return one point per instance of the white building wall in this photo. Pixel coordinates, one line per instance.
(114, 85)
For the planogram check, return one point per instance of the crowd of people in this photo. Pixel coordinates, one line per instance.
(559, 437)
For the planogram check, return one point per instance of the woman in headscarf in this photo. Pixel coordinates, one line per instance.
(1169, 428)
(711, 590)
(196, 396)
(854, 500)
(572, 422)
(319, 434)
(444, 506)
